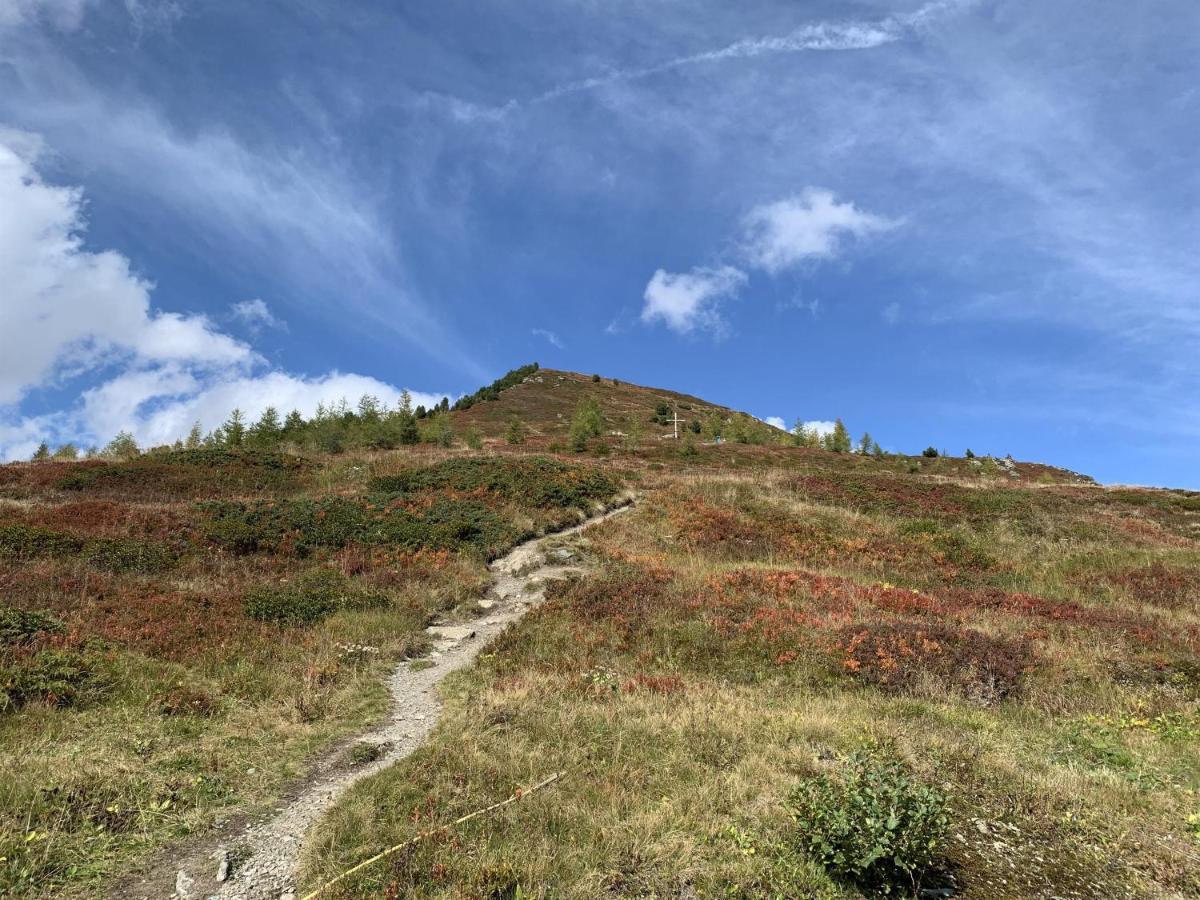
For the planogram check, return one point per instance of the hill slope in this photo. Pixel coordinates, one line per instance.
(546, 401)
(1004, 645)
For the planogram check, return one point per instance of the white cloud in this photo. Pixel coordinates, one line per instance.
(321, 225)
(68, 310)
(819, 427)
(66, 306)
(891, 313)
(776, 236)
(811, 225)
(256, 315)
(684, 301)
(159, 406)
(549, 336)
(777, 421)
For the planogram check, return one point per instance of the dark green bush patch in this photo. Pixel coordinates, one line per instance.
(189, 472)
(872, 823)
(55, 677)
(300, 526)
(126, 555)
(113, 554)
(536, 481)
(19, 627)
(310, 599)
(30, 541)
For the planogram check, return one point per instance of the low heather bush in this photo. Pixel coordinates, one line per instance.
(113, 554)
(898, 656)
(126, 555)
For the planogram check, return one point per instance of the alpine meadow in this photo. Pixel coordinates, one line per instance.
(787, 671)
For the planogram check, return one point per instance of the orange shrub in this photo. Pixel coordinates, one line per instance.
(897, 656)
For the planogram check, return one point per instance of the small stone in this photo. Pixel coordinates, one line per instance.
(183, 885)
(222, 865)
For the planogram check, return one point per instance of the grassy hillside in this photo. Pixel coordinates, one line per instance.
(547, 399)
(179, 632)
(993, 662)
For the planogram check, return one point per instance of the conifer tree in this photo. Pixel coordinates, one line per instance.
(42, 452)
(369, 409)
(587, 423)
(516, 431)
(194, 437)
(406, 431)
(838, 440)
(123, 446)
(67, 451)
(234, 429)
(267, 431)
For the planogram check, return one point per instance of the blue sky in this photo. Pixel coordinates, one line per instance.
(958, 223)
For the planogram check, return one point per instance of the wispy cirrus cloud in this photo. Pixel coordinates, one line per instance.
(315, 218)
(819, 37)
(550, 337)
(256, 315)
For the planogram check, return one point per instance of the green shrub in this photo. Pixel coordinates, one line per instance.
(314, 596)
(29, 541)
(114, 554)
(930, 452)
(126, 555)
(536, 481)
(301, 526)
(287, 607)
(516, 431)
(56, 677)
(872, 823)
(18, 626)
(189, 472)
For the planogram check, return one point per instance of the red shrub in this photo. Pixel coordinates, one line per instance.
(1157, 584)
(897, 656)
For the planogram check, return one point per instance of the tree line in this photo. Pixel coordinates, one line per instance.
(333, 428)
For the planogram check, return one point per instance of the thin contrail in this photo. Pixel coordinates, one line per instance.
(821, 37)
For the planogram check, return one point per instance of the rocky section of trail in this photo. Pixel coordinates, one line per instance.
(259, 861)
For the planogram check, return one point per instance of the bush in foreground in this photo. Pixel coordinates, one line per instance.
(872, 823)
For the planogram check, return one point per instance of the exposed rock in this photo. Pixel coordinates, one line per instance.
(183, 886)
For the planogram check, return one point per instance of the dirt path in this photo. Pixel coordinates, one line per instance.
(268, 851)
